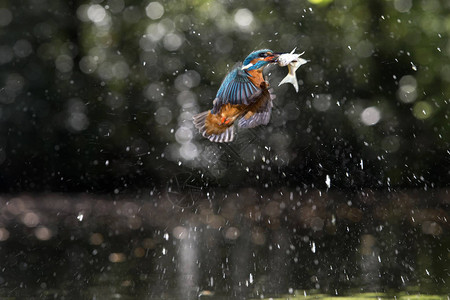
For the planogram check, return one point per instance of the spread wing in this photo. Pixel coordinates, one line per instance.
(236, 88)
(260, 115)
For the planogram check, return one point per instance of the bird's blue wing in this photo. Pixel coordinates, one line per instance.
(236, 88)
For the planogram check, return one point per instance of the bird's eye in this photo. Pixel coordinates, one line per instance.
(262, 54)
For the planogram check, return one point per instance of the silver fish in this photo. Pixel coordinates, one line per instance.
(293, 61)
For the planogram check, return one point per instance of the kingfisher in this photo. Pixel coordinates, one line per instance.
(243, 97)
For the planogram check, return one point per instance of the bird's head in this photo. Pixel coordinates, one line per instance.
(259, 59)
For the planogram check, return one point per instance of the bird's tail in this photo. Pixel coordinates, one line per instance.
(208, 127)
(292, 79)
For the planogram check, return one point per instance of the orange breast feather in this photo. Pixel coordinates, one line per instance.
(256, 77)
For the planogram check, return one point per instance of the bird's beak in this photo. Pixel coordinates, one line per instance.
(273, 58)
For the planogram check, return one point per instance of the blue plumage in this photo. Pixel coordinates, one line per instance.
(254, 55)
(236, 88)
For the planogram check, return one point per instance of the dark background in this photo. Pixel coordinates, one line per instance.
(107, 191)
(98, 96)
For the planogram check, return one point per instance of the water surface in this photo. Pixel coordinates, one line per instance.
(247, 244)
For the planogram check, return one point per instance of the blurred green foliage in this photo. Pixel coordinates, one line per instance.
(98, 95)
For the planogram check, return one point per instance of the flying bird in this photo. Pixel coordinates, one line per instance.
(243, 97)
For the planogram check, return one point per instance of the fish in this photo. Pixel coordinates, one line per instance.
(293, 62)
